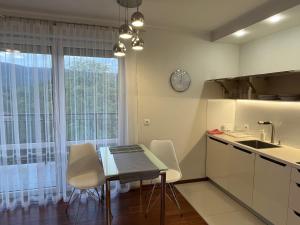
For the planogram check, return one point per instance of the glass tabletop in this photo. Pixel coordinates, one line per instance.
(110, 167)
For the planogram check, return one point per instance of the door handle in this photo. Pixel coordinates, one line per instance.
(222, 142)
(296, 213)
(272, 160)
(243, 150)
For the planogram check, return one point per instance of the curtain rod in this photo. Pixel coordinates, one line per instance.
(60, 21)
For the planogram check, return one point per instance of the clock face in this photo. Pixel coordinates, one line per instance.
(180, 80)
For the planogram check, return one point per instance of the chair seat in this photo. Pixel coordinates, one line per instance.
(171, 176)
(87, 180)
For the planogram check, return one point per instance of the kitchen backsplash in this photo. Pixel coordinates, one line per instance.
(246, 113)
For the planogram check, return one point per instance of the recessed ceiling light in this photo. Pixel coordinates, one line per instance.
(275, 19)
(240, 33)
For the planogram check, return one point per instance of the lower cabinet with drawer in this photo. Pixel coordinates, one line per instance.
(293, 217)
(241, 174)
(217, 161)
(271, 189)
(294, 203)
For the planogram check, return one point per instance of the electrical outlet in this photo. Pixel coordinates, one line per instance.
(147, 122)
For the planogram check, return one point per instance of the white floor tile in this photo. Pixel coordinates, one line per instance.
(215, 206)
(234, 218)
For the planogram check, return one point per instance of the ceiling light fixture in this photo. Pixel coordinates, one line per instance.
(240, 33)
(119, 49)
(137, 19)
(125, 31)
(274, 19)
(130, 31)
(137, 42)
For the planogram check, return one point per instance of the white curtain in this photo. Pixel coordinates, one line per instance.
(59, 85)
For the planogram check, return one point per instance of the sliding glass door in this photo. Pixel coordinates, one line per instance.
(33, 165)
(26, 125)
(59, 85)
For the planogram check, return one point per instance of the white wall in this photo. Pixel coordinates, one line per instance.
(178, 116)
(276, 52)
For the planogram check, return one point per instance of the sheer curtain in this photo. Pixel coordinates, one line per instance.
(59, 85)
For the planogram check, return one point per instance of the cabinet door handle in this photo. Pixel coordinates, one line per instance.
(243, 150)
(296, 213)
(272, 160)
(219, 141)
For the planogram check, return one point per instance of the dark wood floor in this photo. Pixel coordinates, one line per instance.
(127, 209)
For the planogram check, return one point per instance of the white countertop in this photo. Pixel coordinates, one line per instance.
(284, 154)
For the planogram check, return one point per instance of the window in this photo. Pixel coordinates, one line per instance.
(91, 99)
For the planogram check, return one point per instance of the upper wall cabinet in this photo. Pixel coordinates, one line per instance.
(281, 86)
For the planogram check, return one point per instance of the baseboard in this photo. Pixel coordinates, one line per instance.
(192, 180)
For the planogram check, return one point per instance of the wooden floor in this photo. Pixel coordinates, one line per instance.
(127, 209)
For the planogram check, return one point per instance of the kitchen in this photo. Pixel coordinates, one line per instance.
(218, 79)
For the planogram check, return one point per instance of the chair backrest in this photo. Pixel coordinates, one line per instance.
(83, 158)
(165, 151)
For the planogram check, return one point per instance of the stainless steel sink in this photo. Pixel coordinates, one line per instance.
(258, 144)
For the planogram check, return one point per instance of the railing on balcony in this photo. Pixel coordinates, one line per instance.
(97, 128)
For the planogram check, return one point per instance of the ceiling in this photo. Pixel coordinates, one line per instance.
(192, 15)
(290, 18)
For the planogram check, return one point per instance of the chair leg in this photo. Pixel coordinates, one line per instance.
(99, 198)
(69, 202)
(175, 197)
(78, 207)
(102, 192)
(150, 198)
(141, 189)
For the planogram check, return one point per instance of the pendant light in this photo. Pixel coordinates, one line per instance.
(126, 31)
(137, 19)
(137, 42)
(130, 30)
(119, 48)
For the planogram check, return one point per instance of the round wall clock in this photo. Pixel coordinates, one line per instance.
(180, 80)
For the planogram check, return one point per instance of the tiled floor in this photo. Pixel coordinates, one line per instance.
(215, 206)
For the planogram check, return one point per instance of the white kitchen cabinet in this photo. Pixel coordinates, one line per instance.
(293, 217)
(241, 174)
(294, 202)
(217, 161)
(271, 189)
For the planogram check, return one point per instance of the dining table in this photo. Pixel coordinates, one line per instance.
(112, 173)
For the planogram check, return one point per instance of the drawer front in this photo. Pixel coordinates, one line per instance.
(293, 217)
(295, 196)
(296, 175)
(271, 189)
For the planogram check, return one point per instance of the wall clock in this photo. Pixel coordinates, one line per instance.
(180, 80)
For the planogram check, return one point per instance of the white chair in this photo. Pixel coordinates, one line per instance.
(85, 172)
(165, 151)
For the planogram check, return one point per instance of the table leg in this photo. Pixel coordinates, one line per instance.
(162, 198)
(108, 210)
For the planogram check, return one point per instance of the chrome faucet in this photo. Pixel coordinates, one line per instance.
(273, 128)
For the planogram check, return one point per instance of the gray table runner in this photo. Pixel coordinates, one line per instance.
(135, 166)
(125, 149)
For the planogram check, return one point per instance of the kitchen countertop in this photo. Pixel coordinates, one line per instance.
(284, 154)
